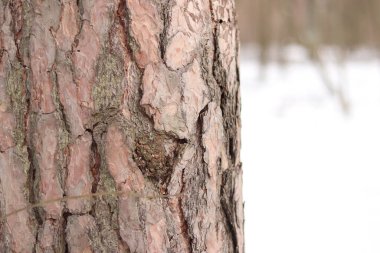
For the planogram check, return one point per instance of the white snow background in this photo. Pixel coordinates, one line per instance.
(311, 172)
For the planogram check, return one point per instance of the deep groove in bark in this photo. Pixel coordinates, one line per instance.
(95, 164)
(131, 42)
(185, 226)
(226, 202)
(200, 127)
(122, 15)
(65, 216)
(60, 108)
(165, 16)
(30, 183)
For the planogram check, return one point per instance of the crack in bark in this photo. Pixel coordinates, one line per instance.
(185, 225)
(125, 22)
(227, 200)
(166, 18)
(32, 184)
(96, 163)
(122, 15)
(200, 127)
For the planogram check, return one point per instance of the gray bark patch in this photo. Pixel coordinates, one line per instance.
(108, 90)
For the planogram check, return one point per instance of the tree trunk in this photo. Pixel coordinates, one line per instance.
(132, 105)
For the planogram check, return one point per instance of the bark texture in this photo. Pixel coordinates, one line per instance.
(120, 95)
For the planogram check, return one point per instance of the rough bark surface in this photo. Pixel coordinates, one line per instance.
(120, 95)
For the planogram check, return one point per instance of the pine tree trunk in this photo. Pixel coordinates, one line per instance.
(109, 96)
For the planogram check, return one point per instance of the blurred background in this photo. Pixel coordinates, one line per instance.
(310, 85)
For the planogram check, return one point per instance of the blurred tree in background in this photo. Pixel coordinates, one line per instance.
(346, 24)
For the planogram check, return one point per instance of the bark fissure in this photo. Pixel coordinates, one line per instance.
(165, 16)
(95, 164)
(227, 202)
(123, 21)
(184, 224)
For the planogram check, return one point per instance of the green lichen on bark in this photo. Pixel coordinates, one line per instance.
(107, 93)
(16, 91)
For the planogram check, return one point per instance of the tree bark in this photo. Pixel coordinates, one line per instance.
(108, 96)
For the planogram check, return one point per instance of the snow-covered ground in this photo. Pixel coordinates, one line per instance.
(311, 172)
